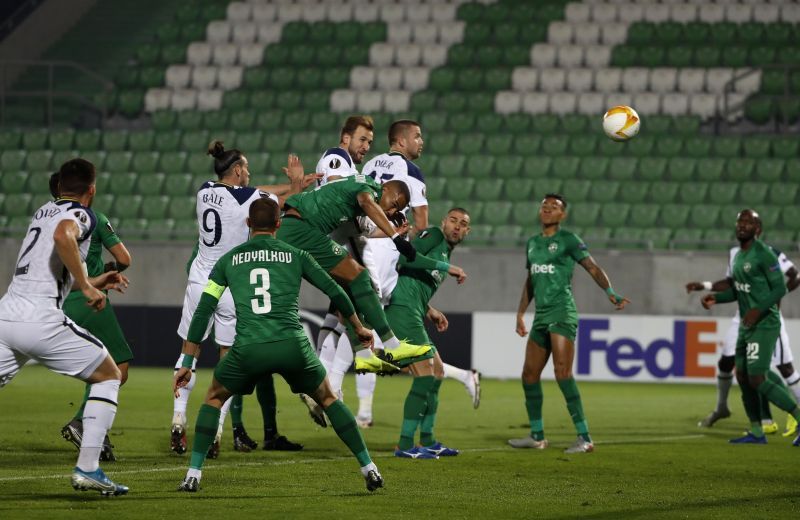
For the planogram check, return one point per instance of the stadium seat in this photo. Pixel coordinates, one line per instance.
(452, 165)
(527, 144)
(460, 189)
(434, 187)
(681, 168)
(593, 167)
(783, 194)
(622, 168)
(126, 206)
(39, 160)
(753, 193)
(723, 192)
(526, 214)
(709, 169)
(565, 167)
(604, 191)
(518, 190)
(13, 181)
(739, 170)
(487, 189)
(122, 183)
(140, 141)
(177, 184)
(674, 215)
(12, 160)
(150, 183)
(183, 207)
(614, 215)
(510, 166)
(633, 192)
(495, 213)
(693, 192)
(584, 214)
(575, 190)
(19, 206)
(664, 192)
(154, 207)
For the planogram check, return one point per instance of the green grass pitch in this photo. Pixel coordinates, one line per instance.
(651, 460)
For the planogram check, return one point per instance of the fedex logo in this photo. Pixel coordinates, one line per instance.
(675, 356)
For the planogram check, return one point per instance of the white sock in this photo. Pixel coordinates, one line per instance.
(180, 402)
(341, 364)
(365, 388)
(328, 324)
(98, 416)
(792, 381)
(457, 373)
(392, 342)
(328, 350)
(196, 473)
(223, 413)
(369, 467)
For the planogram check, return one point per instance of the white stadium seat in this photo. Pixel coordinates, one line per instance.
(767, 13)
(656, 13)
(399, 32)
(631, 13)
(198, 53)
(425, 33)
(340, 12)
(635, 79)
(183, 99)
(711, 13)
(209, 99)
(230, 78)
(204, 77)
(675, 104)
(605, 13)
(543, 55)
(389, 78)
(559, 33)
(683, 13)
(264, 13)
(289, 13)
(717, 79)
(157, 99)
(226, 54)
(525, 79)
(591, 103)
(647, 103)
(362, 78)
(393, 13)
(434, 55)
(580, 80)
(577, 12)
(607, 80)
(444, 13)
(703, 105)
(614, 33)
(366, 13)
(381, 54)
(239, 11)
(563, 103)
(415, 78)
(598, 56)
(570, 56)
(218, 31)
(315, 13)
(507, 102)
(748, 84)
(535, 103)
(552, 80)
(691, 80)
(586, 33)
(409, 55)
(419, 13)
(270, 32)
(371, 101)
(451, 33)
(396, 101)
(663, 79)
(738, 13)
(790, 13)
(618, 98)
(251, 54)
(343, 100)
(244, 32)
(178, 76)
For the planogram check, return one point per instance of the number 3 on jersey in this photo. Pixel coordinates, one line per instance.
(260, 278)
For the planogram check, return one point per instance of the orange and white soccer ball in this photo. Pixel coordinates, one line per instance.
(621, 123)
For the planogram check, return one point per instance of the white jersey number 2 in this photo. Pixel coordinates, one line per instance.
(261, 304)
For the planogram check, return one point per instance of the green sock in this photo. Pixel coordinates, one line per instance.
(765, 412)
(752, 407)
(205, 429)
(426, 437)
(366, 302)
(414, 410)
(236, 411)
(573, 397)
(534, 397)
(265, 391)
(756, 429)
(79, 414)
(344, 424)
(779, 396)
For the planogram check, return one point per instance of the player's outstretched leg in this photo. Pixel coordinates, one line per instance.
(178, 430)
(265, 391)
(471, 379)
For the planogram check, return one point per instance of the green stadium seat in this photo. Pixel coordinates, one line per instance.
(126, 206)
(664, 192)
(498, 144)
(197, 164)
(792, 170)
(698, 147)
(640, 147)
(704, 216)
(461, 55)
(687, 239)
(480, 166)
(627, 238)
(289, 100)
(658, 237)
(133, 228)
(304, 142)
(480, 234)
(679, 56)
(469, 144)
(753, 193)
(693, 192)
(12, 160)
(61, 139)
(718, 238)
(604, 191)
(576, 190)
(113, 141)
(496, 213)
(544, 186)
(757, 147)
(641, 33)
(316, 100)
(18, 206)
(139, 141)
(462, 123)
(509, 234)
(471, 79)
(236, 99)
(277, 141)
(89, 140)
(150, 184)
(257, 164)
(460, 189)
(163, 120)
(517, 123)
(518, 190)
(537, 168)
(160, 229)
(759, 55)
(785, 147)
(734, 56)
(438, 209)
(709, 169)
(575, 124)
(527, 144)
(565, 167)
(687, 126)
(773, 82)
(122, 183)
(554, 145)
(769, 169)
(10, 139)
(624, 56)
(103, 203)
(723, 192)
(509, 166)
(442, 144)
(189, 120)
(545, 124)
(168, 141)
(706, 56)
(621, 168)
(633, 192)
(782, 194)
(271, 120)
(118, 162)
(593, 167)
(759, 109)
(595, 235)
(145, 162)
(13, 182)
(452, 165)
(177, 184)
(434, 121)
(614, 215)
(154, 207)
(193, 141)
(583, 214)
(726, 146)
(581, 145)
(499, 78)
(39, 182)
(183, 207)
(39, 160)
(97, 158)
(674, 215)
(424, 101)
(790, 217)
(338, 77)
(739, 170)
(35, 139)
(526, 214)
(152, 77)
(174, 53)
(434, 187)
(489, 188)
(769, 217)
(427, 163)
(782, 238)
(681, 168)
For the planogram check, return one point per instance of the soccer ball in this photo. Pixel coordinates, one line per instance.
(621, 123)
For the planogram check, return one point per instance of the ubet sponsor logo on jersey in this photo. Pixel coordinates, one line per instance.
(543, 269)
(742, 287)
(668, 352)
(262, 255)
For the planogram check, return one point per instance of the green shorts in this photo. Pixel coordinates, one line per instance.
(293, 359)
(102, 324)
(302, 235)
(754, 348)
(540, 332)
(408, 324)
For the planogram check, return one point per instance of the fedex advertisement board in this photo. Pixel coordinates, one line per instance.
(615, 347)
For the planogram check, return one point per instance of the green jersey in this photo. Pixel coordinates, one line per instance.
(416, 287)
(758, 283)
(550, 262)
(103, 236)
(264, 276)
(335, 202)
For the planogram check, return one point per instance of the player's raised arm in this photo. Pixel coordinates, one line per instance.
(601, 278)
(66, 242)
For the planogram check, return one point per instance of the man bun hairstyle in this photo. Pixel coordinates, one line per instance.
(75, 177)
(264, 214)
(352, 123)
(224, 159)
(398, 128)
(556, 196)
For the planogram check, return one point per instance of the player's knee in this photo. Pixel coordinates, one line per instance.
(755, 380)
(726, 363)
(123, 370)
(563, 372)
(529, 376)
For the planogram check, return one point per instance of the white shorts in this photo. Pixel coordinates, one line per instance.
(224, 315)
(380, 258)
(63, 347)
(782, 353)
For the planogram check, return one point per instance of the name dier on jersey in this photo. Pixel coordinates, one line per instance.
(262, 255)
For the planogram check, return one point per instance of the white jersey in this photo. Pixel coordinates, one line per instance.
(393, 166)
(335, 162)
(222, 211)
(41, 281)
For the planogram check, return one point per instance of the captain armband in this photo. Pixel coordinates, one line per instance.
(214, 289)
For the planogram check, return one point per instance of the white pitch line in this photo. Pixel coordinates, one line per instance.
(337, 459)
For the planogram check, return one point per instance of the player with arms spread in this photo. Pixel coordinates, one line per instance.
(551, 258)
(34, 326)
(264, 276)
(758, 287)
